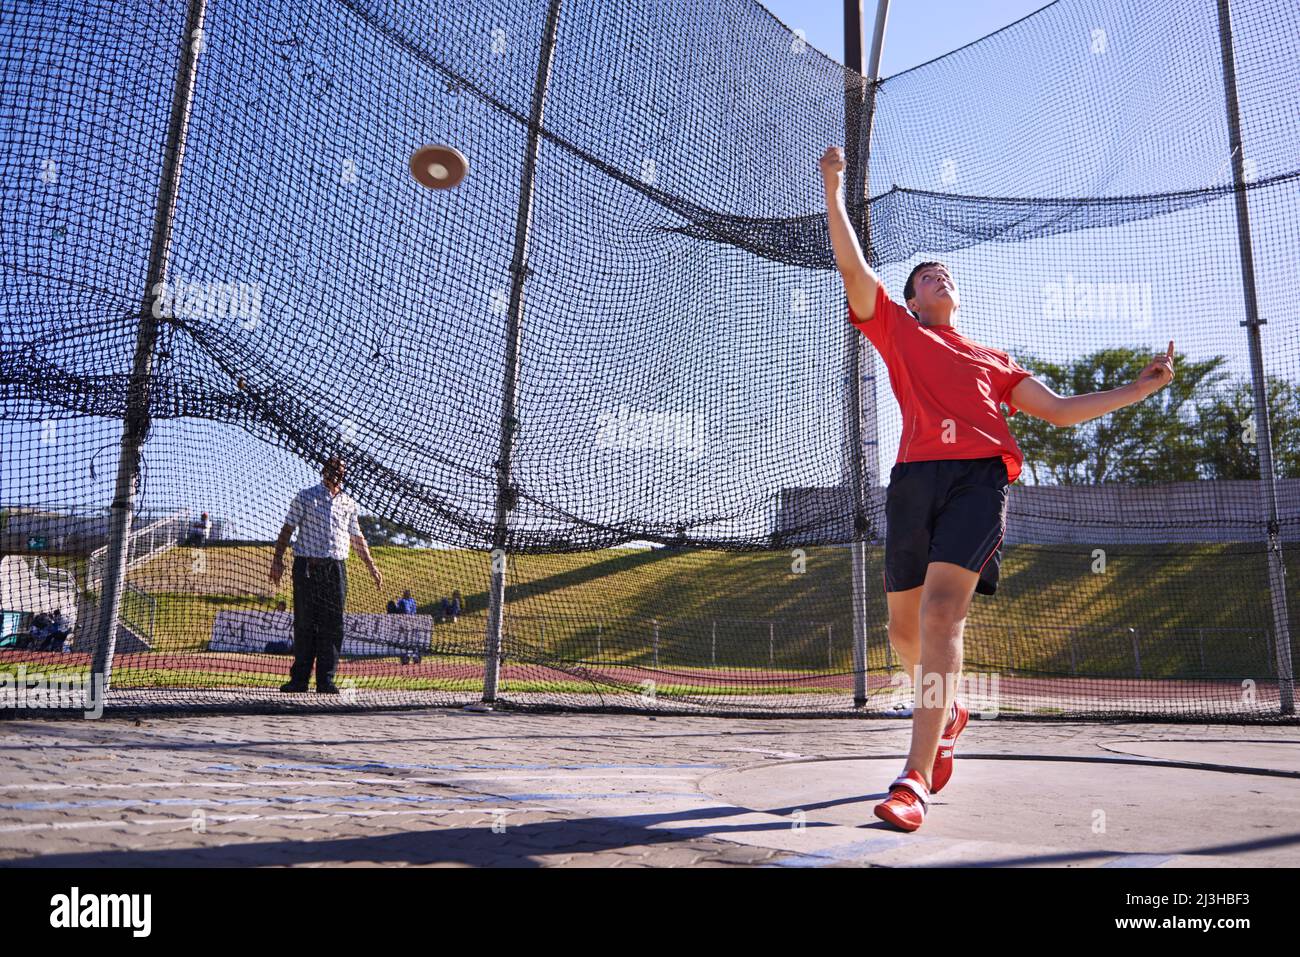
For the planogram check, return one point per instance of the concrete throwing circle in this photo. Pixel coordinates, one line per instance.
(1072, 804)
(1280, 755)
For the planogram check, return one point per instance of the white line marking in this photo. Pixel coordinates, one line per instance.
(769, 751)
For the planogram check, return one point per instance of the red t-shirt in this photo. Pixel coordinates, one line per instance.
(947, 387)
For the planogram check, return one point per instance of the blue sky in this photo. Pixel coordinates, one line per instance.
(916, 31)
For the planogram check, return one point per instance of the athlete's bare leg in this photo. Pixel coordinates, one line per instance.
(945, 599)
(905, 626)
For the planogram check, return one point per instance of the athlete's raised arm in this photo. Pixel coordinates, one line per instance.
(859, 281)
(1032, 396)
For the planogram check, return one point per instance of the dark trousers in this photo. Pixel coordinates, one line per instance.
(320, 590)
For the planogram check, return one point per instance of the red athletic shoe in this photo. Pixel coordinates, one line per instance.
(907, 803)
(942, 770)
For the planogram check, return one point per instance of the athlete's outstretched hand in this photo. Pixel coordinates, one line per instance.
(1159, 373)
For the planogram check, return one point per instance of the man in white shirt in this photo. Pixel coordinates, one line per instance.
(327, 520)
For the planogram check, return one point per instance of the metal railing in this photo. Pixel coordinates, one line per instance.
(56, 577)
(139, 612)
(688, 634)
(1081, 651)
(145, 543)
(1179, 651)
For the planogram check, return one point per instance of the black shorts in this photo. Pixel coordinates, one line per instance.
(947, 510)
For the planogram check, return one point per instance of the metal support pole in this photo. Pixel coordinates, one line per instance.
(859, 109)
(509, 424)
(656, 621)
(136, 422)
(1263, 434)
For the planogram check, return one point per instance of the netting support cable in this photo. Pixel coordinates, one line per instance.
(859, 109)
(136, 421)
(506, 497)
(1263, 432)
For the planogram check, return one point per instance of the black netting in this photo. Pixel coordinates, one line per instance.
(682, 516)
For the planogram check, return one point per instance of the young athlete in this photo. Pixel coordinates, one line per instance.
(945, 509)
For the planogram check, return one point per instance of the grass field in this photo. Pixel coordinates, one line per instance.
(1192, 609)
(763, 619)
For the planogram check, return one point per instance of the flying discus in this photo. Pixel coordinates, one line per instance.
(438, 166)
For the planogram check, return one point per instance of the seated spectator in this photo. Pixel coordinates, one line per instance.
(39, 632)
(57, 633)
(406, 604)
(392, 607)
(281, 605)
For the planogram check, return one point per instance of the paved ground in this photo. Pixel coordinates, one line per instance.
(453, 788)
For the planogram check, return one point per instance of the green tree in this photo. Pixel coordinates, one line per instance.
(383, 531)
(1151, 441)
(1227, 429)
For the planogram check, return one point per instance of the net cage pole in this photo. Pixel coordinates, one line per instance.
(863, 439)
(509, 423)
(136, 420)
(1263, 432)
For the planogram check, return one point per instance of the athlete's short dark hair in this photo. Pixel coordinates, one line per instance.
(909, 287)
